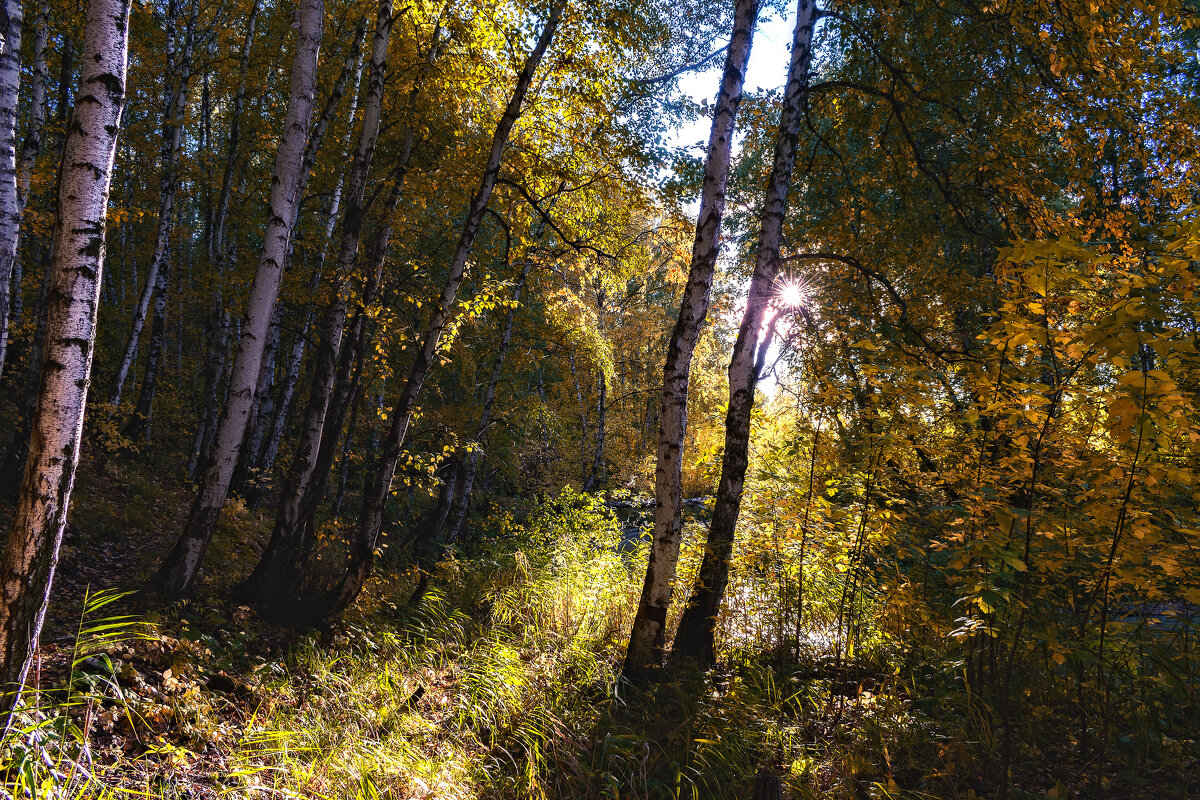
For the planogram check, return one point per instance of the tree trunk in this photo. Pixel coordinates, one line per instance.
(284, 563)
(218, 258)
(584, 461)
(31, 148)
(174, 109)
(139, 422)
(648, 638)
(11, 20)
(695, 638)
(281, 561)
(456, 522)
(349, 372)
(379, 486)
(217, 253)
(31, 553)
(265, 458)
(182, 565)
(13, 463)
(261, 416)
(347, 443)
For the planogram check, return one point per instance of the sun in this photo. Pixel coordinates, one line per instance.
(791, 294)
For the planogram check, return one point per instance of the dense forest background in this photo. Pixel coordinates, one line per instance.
(395, 403)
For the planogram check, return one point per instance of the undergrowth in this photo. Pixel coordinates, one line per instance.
(501, 682)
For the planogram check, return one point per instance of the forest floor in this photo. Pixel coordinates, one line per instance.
(501, 683)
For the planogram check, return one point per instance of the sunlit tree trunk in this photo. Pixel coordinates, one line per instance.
(31, 552)
(182, 565)
(379, 485)
(648, 638)
(695, 637)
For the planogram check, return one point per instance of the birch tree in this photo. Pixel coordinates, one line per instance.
(270, 575)
(10, 204)
(380, 483)
(695, 637)
(31, 148)
(31, 552)
(178, 73)
(179, 570)
(265, 458)
(647, 639)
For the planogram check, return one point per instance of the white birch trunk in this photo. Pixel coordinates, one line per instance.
(695, 638)
(31, 553)
(31, 148)
(182, 565)
(174, 108)
(266, 459)
(647, 639)
(263, 413)
(279, 563)
(10, 204)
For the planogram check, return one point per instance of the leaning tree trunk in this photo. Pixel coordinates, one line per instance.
(31, 553)
(279, 562)
(695, 638)
(285, 559)
(456, 521)
(379, 486)
(179, 571)
(139, 422)
(10, 202)
(263, 414)
(265, 459)
(648, 638)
